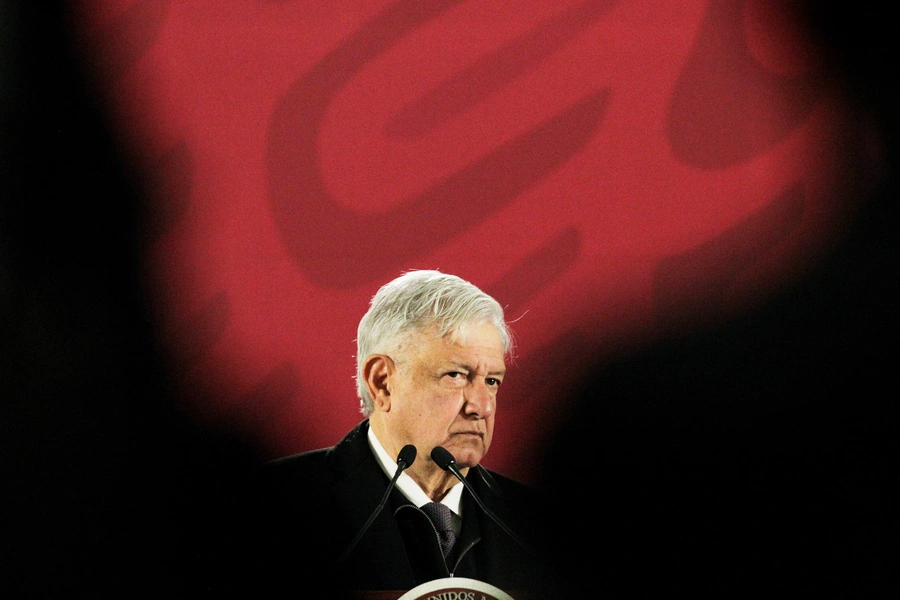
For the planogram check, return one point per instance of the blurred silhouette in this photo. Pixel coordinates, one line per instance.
(780, 476)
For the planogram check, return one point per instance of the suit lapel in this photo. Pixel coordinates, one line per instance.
(380, 556)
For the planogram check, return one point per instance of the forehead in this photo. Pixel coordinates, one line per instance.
(481, 339)
(477, 333)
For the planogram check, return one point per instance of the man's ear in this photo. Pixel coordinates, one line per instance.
(377, 371)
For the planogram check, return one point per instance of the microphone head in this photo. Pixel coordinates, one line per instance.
(407, 456)
(443, 458)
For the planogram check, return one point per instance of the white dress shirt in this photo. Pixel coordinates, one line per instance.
(411, 489)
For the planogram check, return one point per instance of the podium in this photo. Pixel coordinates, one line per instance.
(446, 588)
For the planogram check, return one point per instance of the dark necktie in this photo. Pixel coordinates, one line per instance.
(442, 517)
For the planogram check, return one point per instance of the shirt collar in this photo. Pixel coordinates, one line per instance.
(405, 483)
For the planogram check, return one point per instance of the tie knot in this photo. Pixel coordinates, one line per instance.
(442, 517)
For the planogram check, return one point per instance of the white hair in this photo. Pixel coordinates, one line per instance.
(418, 301)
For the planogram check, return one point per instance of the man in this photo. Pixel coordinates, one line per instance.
(431, 358)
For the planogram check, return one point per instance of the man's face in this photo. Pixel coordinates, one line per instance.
(444, 393)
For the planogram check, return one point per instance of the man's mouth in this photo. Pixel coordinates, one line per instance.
(476, 433)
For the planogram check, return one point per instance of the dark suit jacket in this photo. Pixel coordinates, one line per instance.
(310, 506)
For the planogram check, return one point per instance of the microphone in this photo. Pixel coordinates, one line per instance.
(406, 458)
(442, 457)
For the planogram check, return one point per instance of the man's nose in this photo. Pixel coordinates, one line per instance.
(480, 399)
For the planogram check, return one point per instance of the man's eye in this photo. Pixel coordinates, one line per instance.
(455, 375)
(493, 381)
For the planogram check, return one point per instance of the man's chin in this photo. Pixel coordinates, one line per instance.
(467, 455)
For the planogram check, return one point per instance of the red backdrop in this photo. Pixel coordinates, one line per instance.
(613, 173)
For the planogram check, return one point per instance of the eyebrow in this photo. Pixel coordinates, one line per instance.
(461, 365)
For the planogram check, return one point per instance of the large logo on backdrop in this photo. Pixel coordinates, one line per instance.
(611, 172)
(309, 215)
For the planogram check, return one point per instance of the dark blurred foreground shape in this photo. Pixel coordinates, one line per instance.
(756, 459)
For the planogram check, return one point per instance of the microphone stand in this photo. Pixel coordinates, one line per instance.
(406, 458)
(447, 462)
